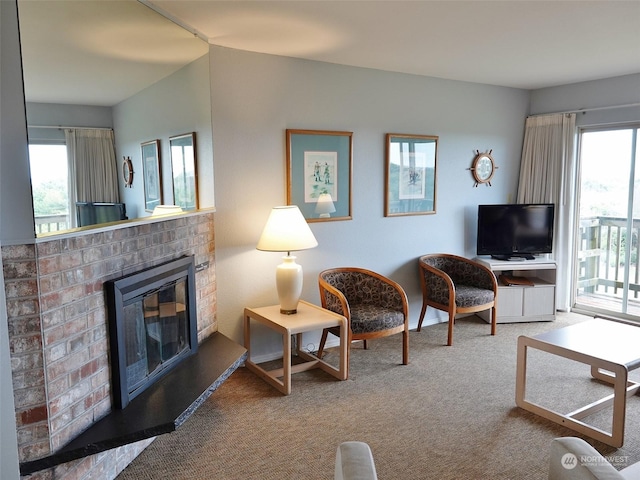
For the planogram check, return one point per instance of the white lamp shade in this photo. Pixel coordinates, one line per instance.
(325, 206)
(286, 231)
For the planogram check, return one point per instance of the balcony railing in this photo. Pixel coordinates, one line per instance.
(602, 261)
(51, 223)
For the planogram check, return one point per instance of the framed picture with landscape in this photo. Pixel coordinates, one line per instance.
(151, 174)
(411, 175)
(319, 166)
(184, 169)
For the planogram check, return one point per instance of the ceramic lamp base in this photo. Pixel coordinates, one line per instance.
(289, 284)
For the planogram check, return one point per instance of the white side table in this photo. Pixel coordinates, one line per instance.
(309, 318)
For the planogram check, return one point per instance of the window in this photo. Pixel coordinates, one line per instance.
(50, 187)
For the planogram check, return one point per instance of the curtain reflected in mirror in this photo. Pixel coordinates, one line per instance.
(183, 166)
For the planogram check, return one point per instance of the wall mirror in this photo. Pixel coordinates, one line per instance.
(78, 72)
(184, 171)
(411, 174)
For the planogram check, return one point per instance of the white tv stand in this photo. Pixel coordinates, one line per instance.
(518, 303)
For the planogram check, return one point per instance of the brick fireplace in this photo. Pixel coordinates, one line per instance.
(58, 329)
(152, 325)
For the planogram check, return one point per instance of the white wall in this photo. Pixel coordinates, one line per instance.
(255, 97)
(13, 138)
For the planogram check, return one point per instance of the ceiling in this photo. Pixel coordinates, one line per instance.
(526, 44)
(88, 52)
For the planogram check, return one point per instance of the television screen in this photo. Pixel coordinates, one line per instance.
(89, 213)
(515, 230)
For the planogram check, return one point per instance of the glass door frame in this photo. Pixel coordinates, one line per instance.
(634, 177)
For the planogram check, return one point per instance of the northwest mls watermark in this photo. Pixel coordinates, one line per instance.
(571, 461)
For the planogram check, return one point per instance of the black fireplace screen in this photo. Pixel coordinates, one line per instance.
(152, 325)
(156, 333)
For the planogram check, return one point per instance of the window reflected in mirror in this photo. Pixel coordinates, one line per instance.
(183, 165)
(50, 187)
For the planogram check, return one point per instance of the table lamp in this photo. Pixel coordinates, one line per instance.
(325, 206)
(286, 231)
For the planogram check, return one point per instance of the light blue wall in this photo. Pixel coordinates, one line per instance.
(257, 97)
(180, 103)
(16, 206)
(53, 114)
(598, 95)
(13, 140)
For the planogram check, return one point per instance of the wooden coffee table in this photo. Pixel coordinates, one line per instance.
(612, 349)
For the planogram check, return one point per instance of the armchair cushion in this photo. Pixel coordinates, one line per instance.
(467, 296)
(370, 318)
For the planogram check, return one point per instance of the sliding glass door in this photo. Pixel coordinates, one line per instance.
(607, 259)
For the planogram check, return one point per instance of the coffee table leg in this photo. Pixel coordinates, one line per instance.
(521, 372)
(619, 405)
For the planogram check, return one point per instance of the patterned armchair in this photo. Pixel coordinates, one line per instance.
(456, 285)
(373, 305)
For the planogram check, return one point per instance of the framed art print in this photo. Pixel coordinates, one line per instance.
(151, 174)
(319, 165)
(411, 175)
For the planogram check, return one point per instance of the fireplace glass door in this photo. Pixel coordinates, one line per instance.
(156, 333)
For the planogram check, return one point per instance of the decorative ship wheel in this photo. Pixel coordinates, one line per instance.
(483, 168)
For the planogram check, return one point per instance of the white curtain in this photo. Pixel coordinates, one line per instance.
(548, 175)
(71, 176)
(92, 166)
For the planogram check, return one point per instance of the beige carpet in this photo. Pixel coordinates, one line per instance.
(449, 414)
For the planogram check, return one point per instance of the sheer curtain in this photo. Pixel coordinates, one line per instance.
(548, 175)
(92, 166)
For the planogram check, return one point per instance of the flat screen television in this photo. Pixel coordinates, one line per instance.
(515, 231)
(90, 213)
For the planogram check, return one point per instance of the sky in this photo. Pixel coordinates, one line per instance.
(48, 162)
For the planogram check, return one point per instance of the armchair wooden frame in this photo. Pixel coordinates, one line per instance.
(327, 290)
(451, 307)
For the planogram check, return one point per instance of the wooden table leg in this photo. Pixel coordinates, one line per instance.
(286, 363)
